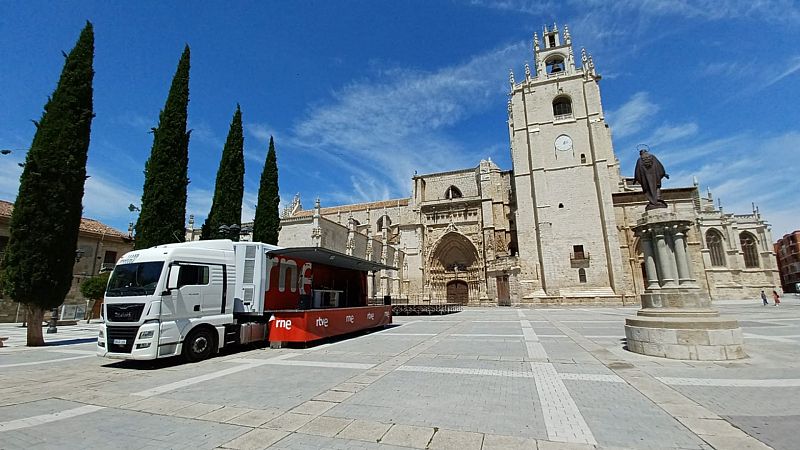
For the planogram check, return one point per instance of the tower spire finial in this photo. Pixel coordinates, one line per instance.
(511, 78)
(567, 37)
(527, 71)
(535, 42)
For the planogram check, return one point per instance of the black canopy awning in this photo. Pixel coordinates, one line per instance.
(331, 258)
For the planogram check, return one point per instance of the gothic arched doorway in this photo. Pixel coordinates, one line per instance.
(457, 292)
(454, 269)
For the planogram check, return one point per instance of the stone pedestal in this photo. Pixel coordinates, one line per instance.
(676, 320)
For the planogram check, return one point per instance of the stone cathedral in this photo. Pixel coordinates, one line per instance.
(556, 228)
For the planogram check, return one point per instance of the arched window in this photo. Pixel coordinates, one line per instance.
(452, 192)
(582, 275)
(384, 222)
(562, 107)
(715, 248)
(555, 64)
(749, 248)
(583, 158)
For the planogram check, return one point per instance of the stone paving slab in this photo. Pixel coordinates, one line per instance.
(256, 439)
(325, 426)
(456, 440)
(298, 441)
(408, 436)
(365, 430)
(289, 421)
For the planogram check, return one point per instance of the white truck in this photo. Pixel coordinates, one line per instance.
(195, 298)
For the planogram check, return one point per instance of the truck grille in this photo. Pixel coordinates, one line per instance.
(116, 335)
(124, 312)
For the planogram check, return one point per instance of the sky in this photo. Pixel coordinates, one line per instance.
(361, 94)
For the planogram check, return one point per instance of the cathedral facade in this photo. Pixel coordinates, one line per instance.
(557, 228)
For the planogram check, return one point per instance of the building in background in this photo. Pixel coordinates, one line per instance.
(557, 228)
(787, 250)
(98, 250)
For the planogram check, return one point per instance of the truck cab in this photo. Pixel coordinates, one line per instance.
(169, 300)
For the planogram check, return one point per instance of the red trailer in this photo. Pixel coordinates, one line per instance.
(330, 299)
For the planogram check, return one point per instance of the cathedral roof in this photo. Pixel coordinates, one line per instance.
(355, 207)
(87, 225)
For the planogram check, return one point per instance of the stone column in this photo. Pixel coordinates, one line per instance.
(663, 259)
(649, 261)
(684, 274)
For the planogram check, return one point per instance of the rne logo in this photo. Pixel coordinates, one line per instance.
(370, 316)
(350, 319)
(283, 323)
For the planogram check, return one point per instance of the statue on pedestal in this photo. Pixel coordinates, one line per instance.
(648, 174)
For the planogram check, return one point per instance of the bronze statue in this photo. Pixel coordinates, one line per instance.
(648, 174)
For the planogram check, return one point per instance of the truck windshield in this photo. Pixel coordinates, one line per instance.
(134, 279)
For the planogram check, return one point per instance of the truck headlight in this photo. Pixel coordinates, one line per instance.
(102, 334)
(146, 334)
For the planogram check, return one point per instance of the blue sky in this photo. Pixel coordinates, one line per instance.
(360, 94)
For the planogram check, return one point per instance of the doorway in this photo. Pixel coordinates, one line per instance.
(503, 297)
(457, 292)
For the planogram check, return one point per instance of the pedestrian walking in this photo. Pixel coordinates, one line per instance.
(776, 297)
(764, 298)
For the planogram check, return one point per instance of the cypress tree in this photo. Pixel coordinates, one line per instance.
(226, 208)
(47, 212)
(163, 210)
(267, 222)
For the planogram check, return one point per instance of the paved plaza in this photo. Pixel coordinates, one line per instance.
(491, 378)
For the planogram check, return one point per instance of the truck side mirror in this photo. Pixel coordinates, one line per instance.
(172, 279)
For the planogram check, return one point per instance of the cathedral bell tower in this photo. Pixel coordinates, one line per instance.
(565, 171)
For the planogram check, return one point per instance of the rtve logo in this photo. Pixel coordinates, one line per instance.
(283, 323)
(322, 322)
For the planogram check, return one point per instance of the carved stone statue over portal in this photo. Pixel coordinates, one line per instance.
(648, 174)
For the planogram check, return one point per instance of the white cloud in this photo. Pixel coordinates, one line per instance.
(376, 132)
(10, 172)
(202, 133)
(632, 116)
(532, 7)
(671, 132)
(774, 10)
(793, 67)
(261, 131)
(198, 204)
(136, 121)
(743, 169)
(107, 200)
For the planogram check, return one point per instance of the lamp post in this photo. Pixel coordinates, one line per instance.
(132, 208)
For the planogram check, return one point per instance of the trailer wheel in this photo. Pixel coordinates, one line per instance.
(198, 345)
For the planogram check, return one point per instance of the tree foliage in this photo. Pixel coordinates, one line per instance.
(226, 208)
(267, 222)
(166, 178)
(47, 212)
(95, 287)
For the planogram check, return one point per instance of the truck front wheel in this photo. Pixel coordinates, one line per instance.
(198, 345)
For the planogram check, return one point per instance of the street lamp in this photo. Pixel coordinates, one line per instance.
(132, 208)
